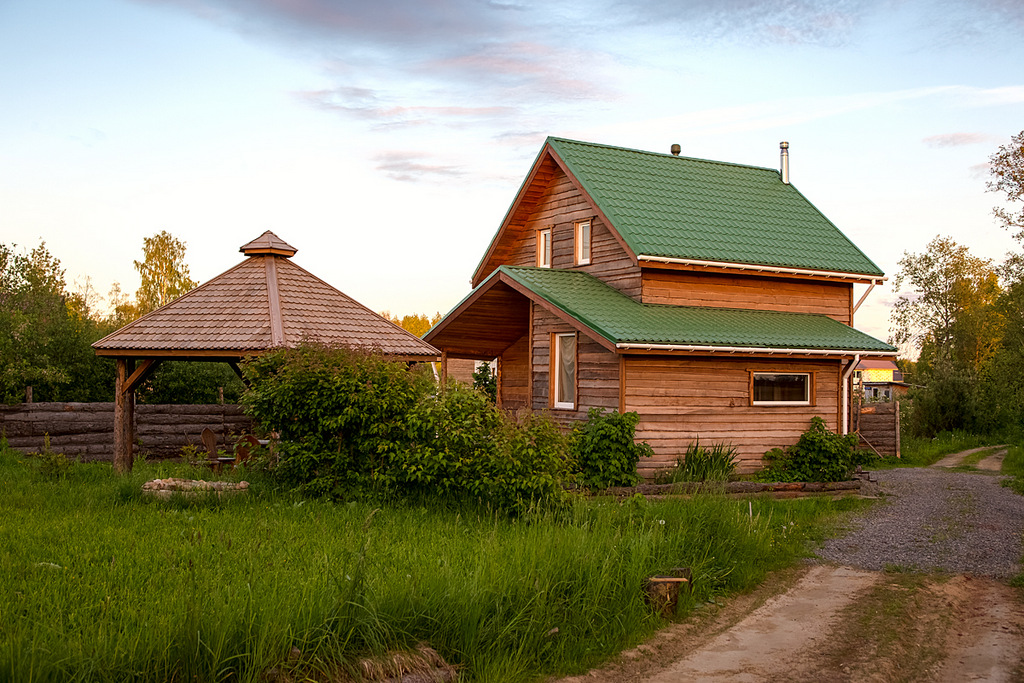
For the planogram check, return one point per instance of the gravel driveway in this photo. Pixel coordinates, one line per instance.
(936, 519)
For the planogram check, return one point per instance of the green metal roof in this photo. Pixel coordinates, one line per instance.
(679, 207)
(623, 320)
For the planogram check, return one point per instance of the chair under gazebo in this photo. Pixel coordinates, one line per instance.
(264, 302)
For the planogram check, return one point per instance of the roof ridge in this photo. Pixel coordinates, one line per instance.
(662, 154)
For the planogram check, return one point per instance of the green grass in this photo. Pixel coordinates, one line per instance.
(1013, 466)
(98, 583)
(922, 452)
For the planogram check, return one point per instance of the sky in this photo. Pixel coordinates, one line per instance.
(385, 140)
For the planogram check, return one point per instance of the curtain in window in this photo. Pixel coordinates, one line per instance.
(566, 369)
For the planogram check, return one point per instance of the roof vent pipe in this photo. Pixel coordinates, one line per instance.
(676, 149)
(784, 152)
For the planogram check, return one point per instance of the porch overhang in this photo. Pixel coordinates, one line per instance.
(484, 324)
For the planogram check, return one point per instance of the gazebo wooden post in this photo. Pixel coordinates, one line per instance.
(444, 367)
(124, 417)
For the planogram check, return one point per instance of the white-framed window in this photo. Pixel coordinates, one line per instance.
(780, 388)
(563, 372)
(583, 232)
(544, 248)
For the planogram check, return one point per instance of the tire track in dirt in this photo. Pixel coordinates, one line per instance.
(782, 637)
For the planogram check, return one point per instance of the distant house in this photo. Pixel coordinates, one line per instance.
(711, 298)
(879, 379)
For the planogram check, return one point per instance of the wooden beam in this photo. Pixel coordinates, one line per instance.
(141, 374)
(622, 384)
(497, 382)
(180, 354)
(276, 324)
(124, 417)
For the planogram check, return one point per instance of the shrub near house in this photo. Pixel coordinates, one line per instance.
(819, 455)
(353, 423)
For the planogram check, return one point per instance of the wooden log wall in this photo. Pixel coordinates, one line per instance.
(514, 375)
(86, 430)
(680, 400)
(878, 425)
(696, 288)
(559, 208)
(597, 371)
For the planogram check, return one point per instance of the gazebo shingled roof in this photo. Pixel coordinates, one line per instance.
(264, 302)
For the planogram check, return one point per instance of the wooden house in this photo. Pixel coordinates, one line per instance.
(711, 298)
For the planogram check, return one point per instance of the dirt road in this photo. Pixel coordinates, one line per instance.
(829, 622)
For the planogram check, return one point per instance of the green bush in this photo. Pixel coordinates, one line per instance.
(448, 436)
(486, 381)
(353, 424)
(191, 382)
(340, 413)
(819, 455)
(462, 446)
(700, 463)
(604, 449)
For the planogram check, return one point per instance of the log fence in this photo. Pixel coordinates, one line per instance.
(878, 425)
(86, 430)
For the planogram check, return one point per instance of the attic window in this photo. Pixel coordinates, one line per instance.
(780, 389)
(544, 248)
(583, 243)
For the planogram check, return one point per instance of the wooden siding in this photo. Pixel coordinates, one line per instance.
(461, 370)
(597, 370)
(682, 399)
(560, 207)
(514, 375)
(688, 288)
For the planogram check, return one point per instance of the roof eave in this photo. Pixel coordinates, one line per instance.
(863, 278)
(527, 181)
(625, 347)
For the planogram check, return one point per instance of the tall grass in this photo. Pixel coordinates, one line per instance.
(1013, 465)
(98, 583)
(716, 463)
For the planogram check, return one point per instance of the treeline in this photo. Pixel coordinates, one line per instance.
(965, 315)
(47, 330)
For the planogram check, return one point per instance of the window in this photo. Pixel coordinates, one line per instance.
(781, 389)
(582, 243)
(544, 248)
(564, 371)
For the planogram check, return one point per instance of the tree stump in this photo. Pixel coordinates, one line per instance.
(662, 592)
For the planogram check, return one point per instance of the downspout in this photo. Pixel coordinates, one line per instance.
(846, 394)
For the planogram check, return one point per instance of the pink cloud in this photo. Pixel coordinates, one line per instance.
(955, 139)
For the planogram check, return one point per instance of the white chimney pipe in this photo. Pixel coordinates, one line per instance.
(784, 152)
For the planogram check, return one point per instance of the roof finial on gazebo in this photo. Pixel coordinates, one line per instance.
(268, 244)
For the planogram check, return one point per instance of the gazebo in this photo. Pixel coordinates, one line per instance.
(264, 302)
